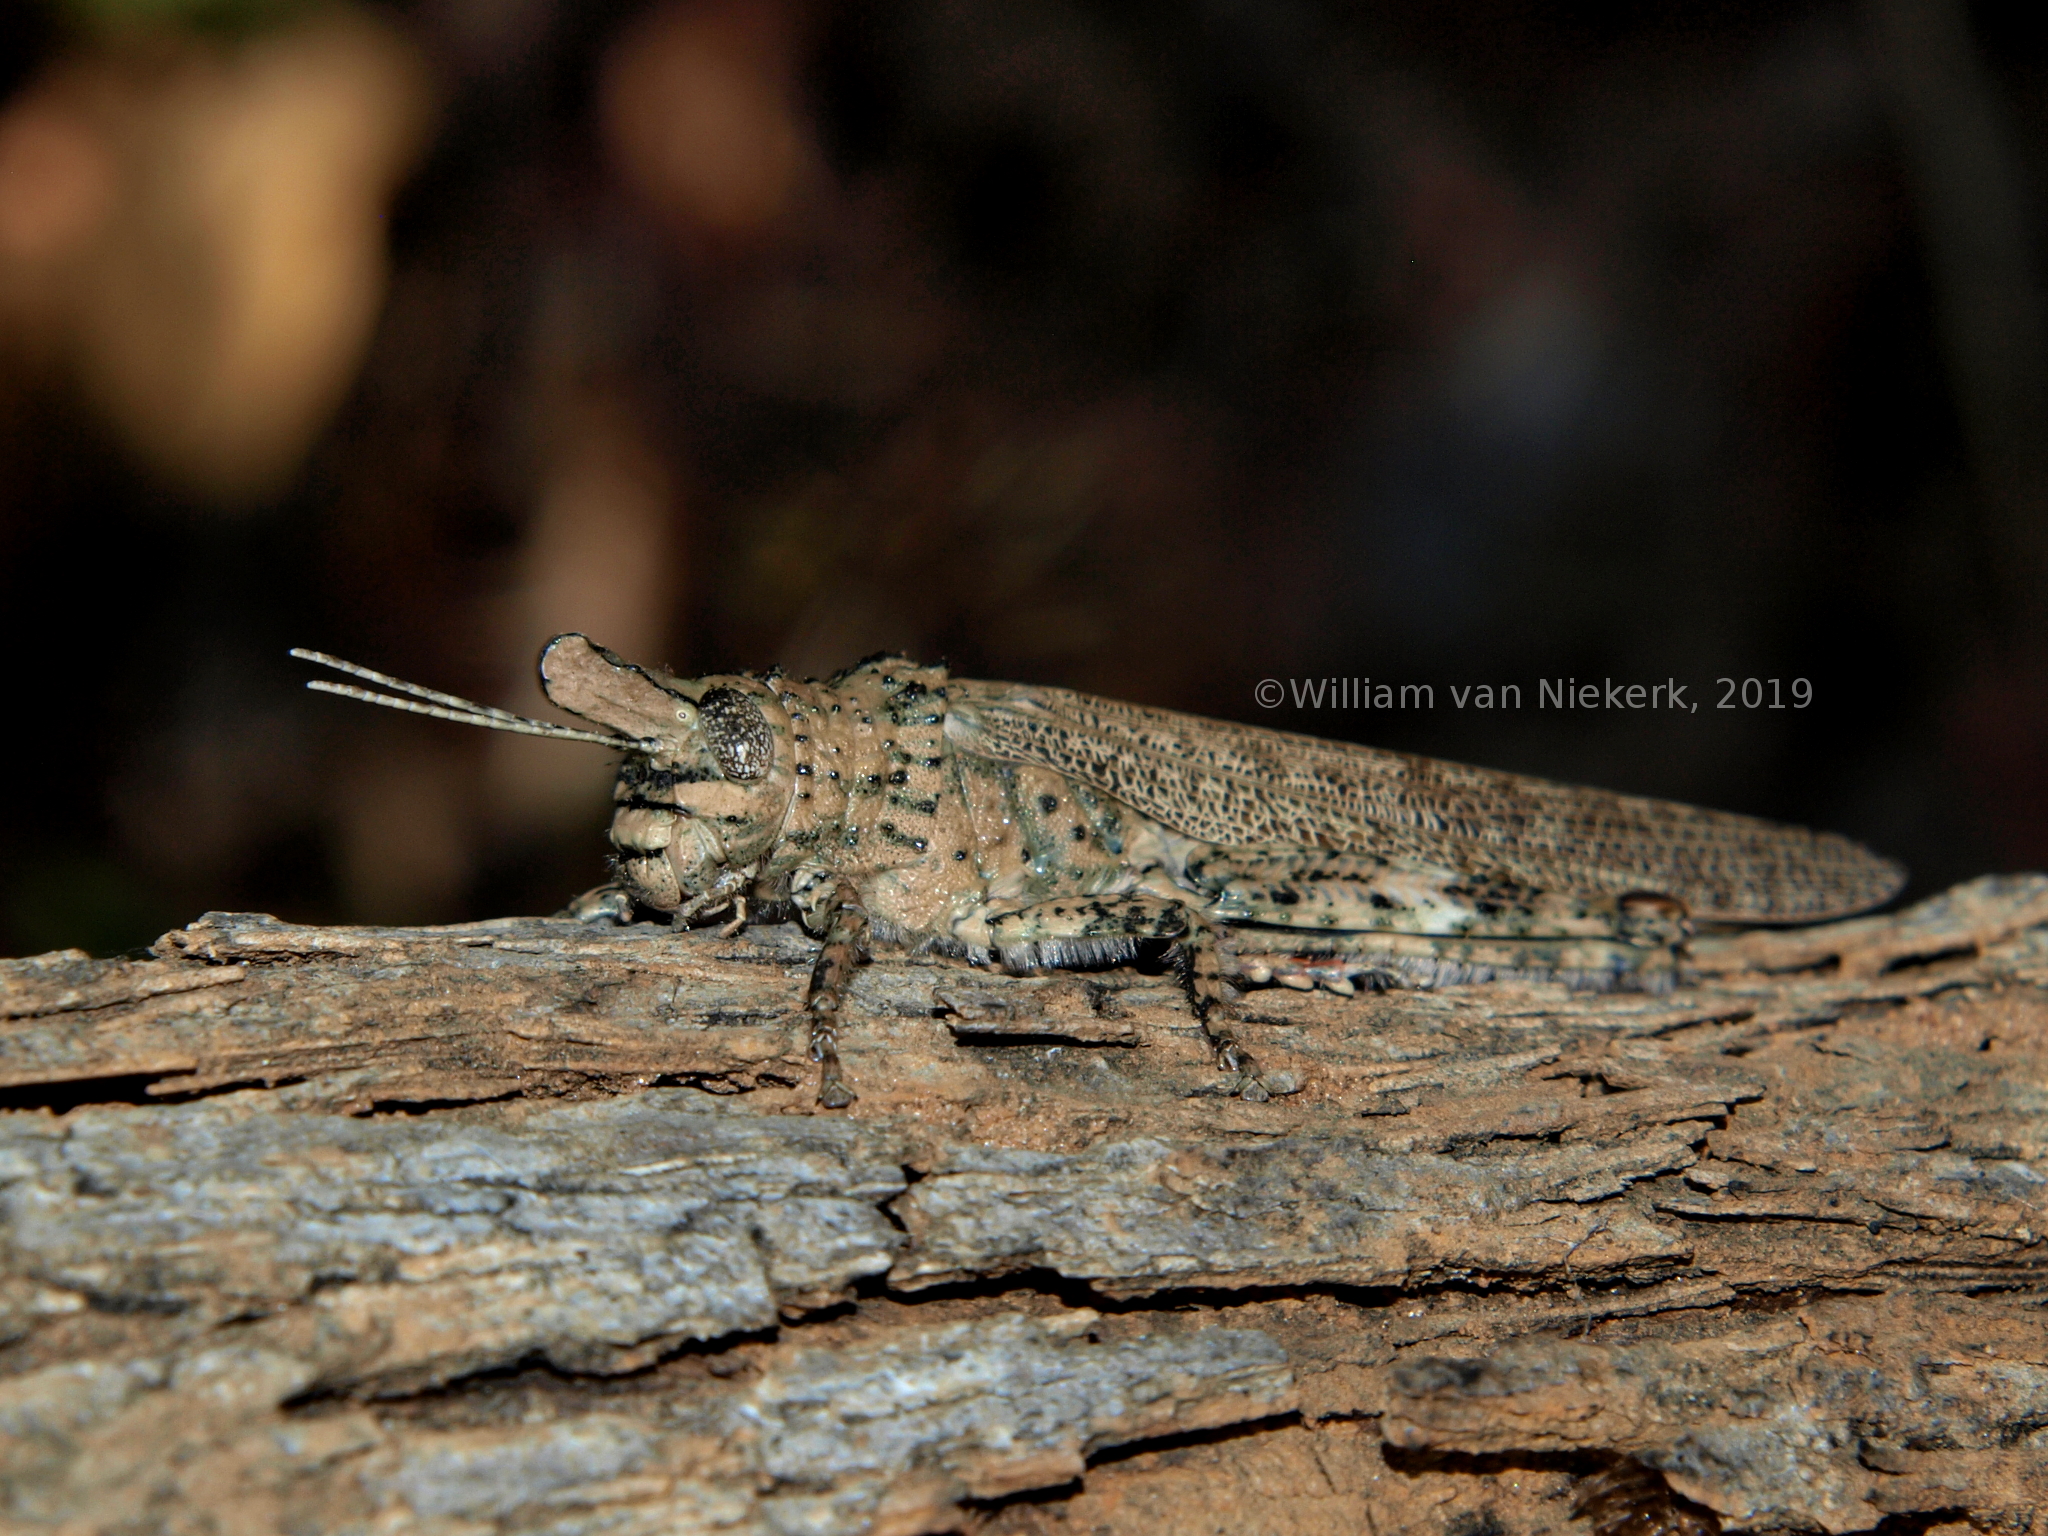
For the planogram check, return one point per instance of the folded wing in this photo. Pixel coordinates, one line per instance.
(1238, 784)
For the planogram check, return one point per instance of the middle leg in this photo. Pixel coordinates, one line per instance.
(1087, 931)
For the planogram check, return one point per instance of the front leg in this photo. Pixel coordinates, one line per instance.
(1109, 930)
(607, 903)
(832, 907)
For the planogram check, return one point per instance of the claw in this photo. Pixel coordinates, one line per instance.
(834, 1094)
(603, 904)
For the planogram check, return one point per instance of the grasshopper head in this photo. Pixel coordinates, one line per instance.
(709, 774)
(708, 777)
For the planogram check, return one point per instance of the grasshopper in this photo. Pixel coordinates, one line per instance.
(1037, 828)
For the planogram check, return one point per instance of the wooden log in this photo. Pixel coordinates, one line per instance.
(530, 1226)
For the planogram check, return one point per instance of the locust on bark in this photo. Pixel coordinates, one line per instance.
(1035, 828)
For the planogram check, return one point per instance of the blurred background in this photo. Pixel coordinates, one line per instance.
(1149, 349)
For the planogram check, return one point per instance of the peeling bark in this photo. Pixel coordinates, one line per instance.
(524, 1226)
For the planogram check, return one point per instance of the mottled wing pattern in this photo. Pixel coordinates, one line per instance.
(1240, 785)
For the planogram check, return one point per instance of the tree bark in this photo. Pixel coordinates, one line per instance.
(526, 1226)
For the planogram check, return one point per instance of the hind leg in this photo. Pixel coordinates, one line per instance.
(1306, 917)
(1110, 930)
(1352, 962)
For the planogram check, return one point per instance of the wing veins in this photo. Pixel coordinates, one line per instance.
(1244, 785)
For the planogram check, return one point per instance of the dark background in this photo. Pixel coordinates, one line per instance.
(1150, 349)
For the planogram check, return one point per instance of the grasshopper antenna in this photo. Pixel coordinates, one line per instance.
(448, 706)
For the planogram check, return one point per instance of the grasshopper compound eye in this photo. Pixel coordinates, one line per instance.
(738, 733)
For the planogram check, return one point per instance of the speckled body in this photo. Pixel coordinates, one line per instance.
(906, 786)
(1041, 828)
(939, 842)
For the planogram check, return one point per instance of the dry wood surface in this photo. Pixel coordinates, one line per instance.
(527, 1226)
